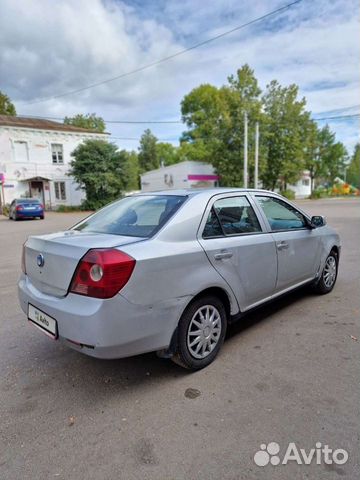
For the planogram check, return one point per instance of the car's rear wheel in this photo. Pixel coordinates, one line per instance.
(328, 275)
(201, 333)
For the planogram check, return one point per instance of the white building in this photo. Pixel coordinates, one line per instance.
(34, 160)
(302, 188)
(191, 174)
(188, 174)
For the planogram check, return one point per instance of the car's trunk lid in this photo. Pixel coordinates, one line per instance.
(51, 260)
(30, 206)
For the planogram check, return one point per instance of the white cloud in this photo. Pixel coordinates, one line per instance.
(52, 47)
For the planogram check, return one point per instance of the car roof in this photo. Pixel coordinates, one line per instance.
(27, 200)
(197, 191)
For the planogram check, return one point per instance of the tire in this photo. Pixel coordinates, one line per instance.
(329, 274)
(42, 217)
(207, 316)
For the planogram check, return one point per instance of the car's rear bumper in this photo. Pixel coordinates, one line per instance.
(30, 214)
(112, 328)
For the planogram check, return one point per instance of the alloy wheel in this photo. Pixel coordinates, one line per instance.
(204, 331)
(329, 274)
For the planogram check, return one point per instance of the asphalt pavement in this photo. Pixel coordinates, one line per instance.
(287, 373)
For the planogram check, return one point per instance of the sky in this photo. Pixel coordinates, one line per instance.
(49, 47)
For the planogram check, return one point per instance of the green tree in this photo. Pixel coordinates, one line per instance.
(244, 96)
(324, 157)
(195, 151)
(131, 170)
(89, 121)
(353, 172)
(215, 118)
(336, 160)
(284, 135)
(98, 168)
(167, 153)
(313, 153)
(148, 156)
(6, 105)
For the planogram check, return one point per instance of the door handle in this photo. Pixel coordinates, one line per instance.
(223, 254)
(282, 245)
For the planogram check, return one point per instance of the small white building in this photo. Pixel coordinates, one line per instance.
(192, 174)
(188, 174)
(34, 160)
(302, 188)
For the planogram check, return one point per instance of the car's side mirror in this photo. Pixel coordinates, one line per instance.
(318, 221)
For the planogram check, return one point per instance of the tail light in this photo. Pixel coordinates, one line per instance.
(19, 208)
(102, 273)
(41, 206)
(23, 267)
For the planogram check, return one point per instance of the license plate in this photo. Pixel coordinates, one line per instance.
(47, 324)
(30, 208)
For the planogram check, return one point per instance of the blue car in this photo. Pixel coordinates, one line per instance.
(26, 208)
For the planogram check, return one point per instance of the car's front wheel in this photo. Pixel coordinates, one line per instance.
(201, 333)
(329, 274)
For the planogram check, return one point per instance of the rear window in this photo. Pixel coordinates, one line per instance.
(24, 201)
(139, 216)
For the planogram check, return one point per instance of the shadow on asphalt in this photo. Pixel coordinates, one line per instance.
(263, 312)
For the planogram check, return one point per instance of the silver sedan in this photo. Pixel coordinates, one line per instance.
(168, 271)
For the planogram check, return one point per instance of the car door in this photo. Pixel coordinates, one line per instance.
(297, 245)
(235, 242)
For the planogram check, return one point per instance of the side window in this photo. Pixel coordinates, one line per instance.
(212, 226)
(280, 215)
(236, 216)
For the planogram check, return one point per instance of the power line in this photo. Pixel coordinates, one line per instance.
(169, 57)
(338, 117)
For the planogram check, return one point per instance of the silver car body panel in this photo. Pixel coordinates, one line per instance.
(61, 253)
(172, 267)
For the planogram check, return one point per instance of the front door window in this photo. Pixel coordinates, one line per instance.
(281, 215)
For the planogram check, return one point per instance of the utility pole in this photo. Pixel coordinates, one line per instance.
(256, 173)
(245, 150)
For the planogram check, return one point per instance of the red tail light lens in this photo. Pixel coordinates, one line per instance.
(102, 273)
(19, 207)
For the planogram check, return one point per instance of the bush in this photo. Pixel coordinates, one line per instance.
(319, 193)
(289, 194)
(68, 208)
(5, 209)
(94, 204)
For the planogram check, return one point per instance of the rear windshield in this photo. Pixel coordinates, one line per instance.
(139, 216)
(27, 200)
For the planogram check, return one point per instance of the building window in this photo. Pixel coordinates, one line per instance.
(60, 192)
(57, 153)
(305, 182)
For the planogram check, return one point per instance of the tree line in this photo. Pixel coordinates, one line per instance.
(290, 141)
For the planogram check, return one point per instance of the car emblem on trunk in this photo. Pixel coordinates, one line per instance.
(40, 260)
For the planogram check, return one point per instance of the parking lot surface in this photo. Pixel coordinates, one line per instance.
(288, 372)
